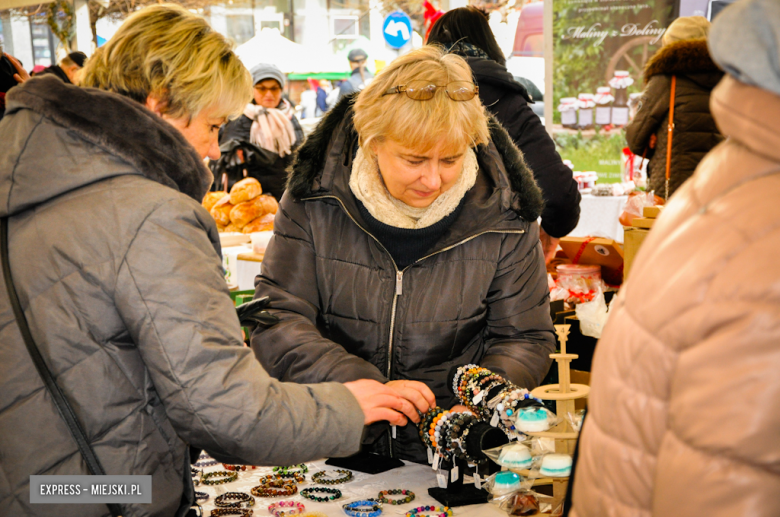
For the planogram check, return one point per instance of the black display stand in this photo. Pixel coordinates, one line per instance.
(366, 462)
(481, 437)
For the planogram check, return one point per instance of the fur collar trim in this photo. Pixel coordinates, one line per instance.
(122, 127)
(306, 171)
(682, 57)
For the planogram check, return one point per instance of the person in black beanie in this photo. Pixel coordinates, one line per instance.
(68, 67)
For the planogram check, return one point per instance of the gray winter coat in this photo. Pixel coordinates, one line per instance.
(118, 270)
(348, 313)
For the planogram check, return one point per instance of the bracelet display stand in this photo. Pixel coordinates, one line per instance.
(564, 394)
(481, 437)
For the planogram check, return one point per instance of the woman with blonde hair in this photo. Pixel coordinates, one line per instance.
(117, 274)
(406, 244)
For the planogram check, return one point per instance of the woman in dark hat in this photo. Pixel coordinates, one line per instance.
(269, 124)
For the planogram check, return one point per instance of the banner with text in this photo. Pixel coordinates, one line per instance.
(600, 48)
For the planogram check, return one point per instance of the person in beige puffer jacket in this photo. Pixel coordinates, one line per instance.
(684, 416)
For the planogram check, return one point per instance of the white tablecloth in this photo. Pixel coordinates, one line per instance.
(599, 217)
(414, 477)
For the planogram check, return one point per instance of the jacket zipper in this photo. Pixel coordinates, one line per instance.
(399, 279)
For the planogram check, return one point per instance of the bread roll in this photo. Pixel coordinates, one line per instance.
(221, 211)
(221, 228)
(261, 224)
(211, 199)
(270, 204)
(242, 214)
(232, 228)
(245, 190)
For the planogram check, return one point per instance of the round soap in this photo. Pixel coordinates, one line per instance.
(556, 466)
(515, 456)
(505, 483)
(532, 420)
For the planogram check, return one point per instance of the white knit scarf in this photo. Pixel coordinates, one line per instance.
(367, 185)
(271, 129)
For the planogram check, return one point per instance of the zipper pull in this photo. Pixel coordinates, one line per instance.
(399, 283)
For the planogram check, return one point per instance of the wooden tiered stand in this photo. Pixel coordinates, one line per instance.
(564, 394)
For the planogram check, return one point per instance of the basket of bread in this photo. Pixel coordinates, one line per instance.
(244, 210)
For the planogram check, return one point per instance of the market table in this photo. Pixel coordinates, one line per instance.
(599, 217)
(412, 476)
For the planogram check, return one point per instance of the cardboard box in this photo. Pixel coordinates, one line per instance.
(643, 222)
(652, 212)
(606, 253)
(633, 238)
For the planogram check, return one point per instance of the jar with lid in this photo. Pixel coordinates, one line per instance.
(586, 104)
(604, 100)
(568, 109)
(620, 83)
(580, 283)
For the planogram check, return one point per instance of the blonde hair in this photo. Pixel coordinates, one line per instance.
(418, 124)
(174, 55)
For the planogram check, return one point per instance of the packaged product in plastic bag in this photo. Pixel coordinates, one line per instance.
(592, 315)
(575, 419)
(523, 502)
(535, 419)
(636, 203)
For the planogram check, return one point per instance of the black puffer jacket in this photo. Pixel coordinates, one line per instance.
(271, 170)
(508, 101)
(347, 312)
(695, 131)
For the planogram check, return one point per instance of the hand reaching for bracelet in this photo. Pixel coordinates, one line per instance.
(381, 402)
(418, 393)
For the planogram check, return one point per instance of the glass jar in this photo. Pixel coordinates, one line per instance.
(586, 105)
(580, 282)
(568, 109)
(604, 100)
(620, 83)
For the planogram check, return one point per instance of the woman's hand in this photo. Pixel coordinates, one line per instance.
(381, 402)
(549, 245)
(415, 392)
(21, 74)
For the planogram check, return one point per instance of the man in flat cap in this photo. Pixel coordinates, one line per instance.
(67, 68)
(360, 76)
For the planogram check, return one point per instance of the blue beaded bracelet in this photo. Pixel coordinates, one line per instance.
(364, 508)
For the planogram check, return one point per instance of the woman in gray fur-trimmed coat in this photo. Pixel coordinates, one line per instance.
(401, 250)
(695, 131)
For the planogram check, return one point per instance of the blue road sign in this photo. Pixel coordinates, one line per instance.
(397, 29)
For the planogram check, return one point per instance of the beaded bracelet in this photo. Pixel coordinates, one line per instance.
(384, 493)
(234, 500)
(196, 475)
(201, 496)
(219, 512)
(238, 467)
(458, 373)
(445, 511)
(205, 463)
(364, 508)
(290, 471)
(308, 494)
(275, 489)
(286, 508)
(227, 477)
(323, 479)
(296, 477)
